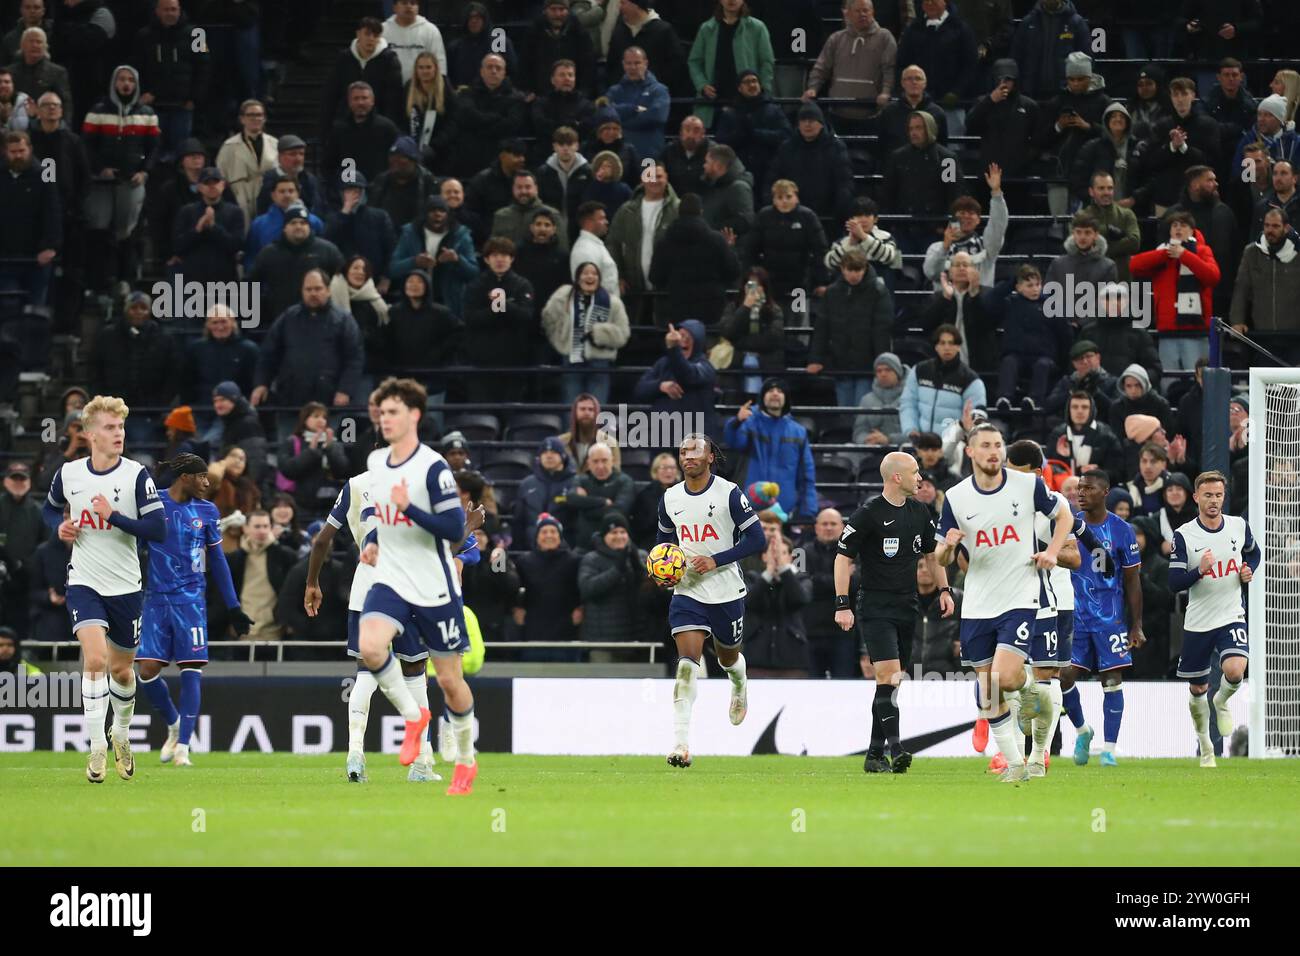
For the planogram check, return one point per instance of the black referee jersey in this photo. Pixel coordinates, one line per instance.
(887, 541)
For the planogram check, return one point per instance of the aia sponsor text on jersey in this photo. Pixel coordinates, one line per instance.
(697, 533)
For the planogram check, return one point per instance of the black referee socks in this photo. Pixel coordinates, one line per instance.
(884, 721)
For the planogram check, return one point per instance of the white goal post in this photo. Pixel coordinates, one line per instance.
(1274, 591)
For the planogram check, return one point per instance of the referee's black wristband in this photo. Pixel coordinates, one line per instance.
(842, 602)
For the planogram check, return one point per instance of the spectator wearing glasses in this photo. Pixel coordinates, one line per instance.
(247, 156)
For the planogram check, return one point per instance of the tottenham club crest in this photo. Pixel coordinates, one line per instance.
(890, 547)
(1015, 509)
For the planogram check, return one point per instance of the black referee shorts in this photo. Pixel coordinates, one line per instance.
(887, 640)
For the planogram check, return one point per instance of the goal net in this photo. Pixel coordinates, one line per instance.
(1274, 592)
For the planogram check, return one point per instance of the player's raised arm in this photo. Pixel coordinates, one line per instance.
(151, 525)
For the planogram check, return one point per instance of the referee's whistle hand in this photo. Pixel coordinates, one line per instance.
(844, 618)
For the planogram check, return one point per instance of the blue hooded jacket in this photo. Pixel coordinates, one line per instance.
(695, 375)
(778, 451)
(644, 129)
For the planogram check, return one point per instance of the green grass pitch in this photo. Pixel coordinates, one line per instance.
(264, 809)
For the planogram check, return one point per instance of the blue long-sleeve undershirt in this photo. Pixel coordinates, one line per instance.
(752, 542)
(53, 516)
(448, 525)
(151, 528)
(221, 574)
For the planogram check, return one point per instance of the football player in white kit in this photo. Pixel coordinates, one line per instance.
(993, 512)
(1213, 557)
(715, 526)
(419, 524)
(111, 505)
(1055, 612)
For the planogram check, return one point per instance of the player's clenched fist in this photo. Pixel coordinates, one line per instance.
(1207, 561)
(401, 495)
(954, 537)
(101, 506)
(1246, 574)
(370, 554)
(844, 618)
(1044, 561)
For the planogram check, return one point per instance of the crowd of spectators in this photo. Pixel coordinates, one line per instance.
(932, 214)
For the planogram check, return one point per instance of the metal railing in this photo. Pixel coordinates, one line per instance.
(56, 646)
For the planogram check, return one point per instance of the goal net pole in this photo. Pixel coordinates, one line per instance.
(1274, 435)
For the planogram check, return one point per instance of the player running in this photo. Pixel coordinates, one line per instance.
(715, 526)
(885, 537)
(419, 521)
(1108, 616)
(1055, 616)
(993, 512)
(1213, 557)
(111, 503)
(174, 628)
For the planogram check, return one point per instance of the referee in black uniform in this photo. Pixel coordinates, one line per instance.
(887, 536)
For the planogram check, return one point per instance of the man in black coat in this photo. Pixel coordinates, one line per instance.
(562, 105)
(21, 529)
(134, 358)
(1006, 122)
(556, 35)
(684, 158)
(220, 355)
(1084, 442)
(209, 234)
(492, 110)
(52, 139)
(405, 187)
(754, 126)
(360, 229)
(173, 74)
(366, 59)
(281, 266)
(682, 381)
(313, 352)
(818, 162)
(1088, 376)
(788, 241)
(915, 183)
(912, 96)
(492, 188)
(695, 265)
(831, 651)
(33, 222)
(662, 45)
(947, 52)
(292, 153)
(361, 140)
(1187, 138)
(497, 336)
(83, 37)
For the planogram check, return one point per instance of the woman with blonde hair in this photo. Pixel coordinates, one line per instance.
(1286, 83)
(430, 107)
(644, 514)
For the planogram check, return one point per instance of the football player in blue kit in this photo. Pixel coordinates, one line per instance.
(1107, 616)
(174, 626)
(1213, 557)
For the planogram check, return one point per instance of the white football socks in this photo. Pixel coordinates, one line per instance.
(736, 672)
(393, 684)
(122, 697)
(462, 725)
(1045, 723)
(1009, 739)
(418, 687)
(94, 705)
(1225, 691)
(1200, 708)
(359, 710)
(684, 700)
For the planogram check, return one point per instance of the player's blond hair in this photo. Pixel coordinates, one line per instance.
(106, 405)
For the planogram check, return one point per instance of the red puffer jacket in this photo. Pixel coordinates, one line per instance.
(1163, 273)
